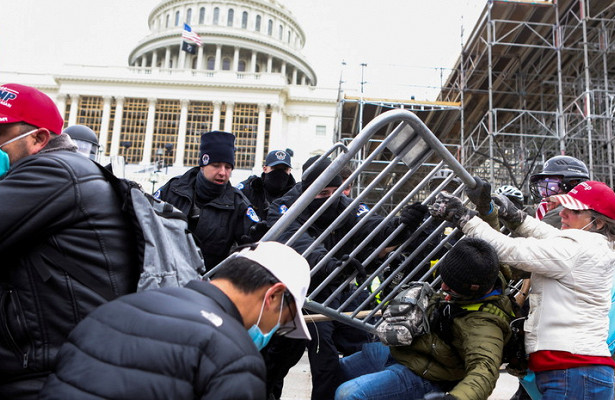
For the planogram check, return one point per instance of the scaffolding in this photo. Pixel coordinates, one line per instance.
(534, 80)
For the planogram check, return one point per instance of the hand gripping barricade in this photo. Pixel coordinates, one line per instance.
(393, 170)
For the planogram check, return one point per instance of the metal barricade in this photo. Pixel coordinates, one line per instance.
(399, 170)
(408, 148)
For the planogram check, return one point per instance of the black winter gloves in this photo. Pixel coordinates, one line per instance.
(481, 196)
(413, 215)
(508, 212)
(450, 208)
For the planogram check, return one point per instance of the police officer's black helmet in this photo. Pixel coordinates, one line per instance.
(85, 138)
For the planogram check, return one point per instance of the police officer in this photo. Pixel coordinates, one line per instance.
(219, 215)
(274, 182)
(332, 337)
(85, 139)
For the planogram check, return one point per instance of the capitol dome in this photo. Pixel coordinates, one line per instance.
(241, 36)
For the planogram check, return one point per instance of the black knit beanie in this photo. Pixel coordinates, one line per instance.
(471, 267)
(217, 146)
(322, 165)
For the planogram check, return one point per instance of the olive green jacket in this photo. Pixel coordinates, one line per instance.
(470, 364)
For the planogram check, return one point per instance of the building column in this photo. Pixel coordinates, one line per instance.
(149, 132)
(61, 104)
(74, 108)
(181, 58)
(275, 136)
(117, 127)
(154, 59)
(269, 63)
(218, 62)
(103, 136)
(236, 60)
(143, 61)
(283, 68)
(199, 58)
(167, 57)
(215, 118)
(228, 116)
(260, 138)
(253, 62)
(180, 146)
(294, 79)
(303, 80)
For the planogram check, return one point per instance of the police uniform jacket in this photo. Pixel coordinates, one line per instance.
(172, 343)
(279, 207)
(57, 209)
(254, 190)
(219, 224)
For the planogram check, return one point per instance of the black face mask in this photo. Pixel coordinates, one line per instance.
(330, 213)
(275, 181)
(206, 190)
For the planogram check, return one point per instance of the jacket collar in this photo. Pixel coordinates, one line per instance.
(184, 186)
(217, 295)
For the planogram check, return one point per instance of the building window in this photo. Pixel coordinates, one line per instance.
(257, 24)
(134, 122)
(211, 63)
(321, 130)
(200, 114)
(244, 20)
(258, 68)
(288, 40)
(280, 31)
(166, 24)
(230, 17)
(226, 64)
(241, 67)
(202, 15)
(188, 16)
(216, 15)
(245, 128)
(270, 28)
(166, 124)
(176, 18)
(90, 112)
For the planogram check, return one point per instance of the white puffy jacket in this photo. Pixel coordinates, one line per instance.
(572, 276)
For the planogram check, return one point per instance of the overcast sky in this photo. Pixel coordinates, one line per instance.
(406, 44)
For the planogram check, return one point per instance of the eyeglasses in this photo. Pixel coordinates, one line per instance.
(287, 328)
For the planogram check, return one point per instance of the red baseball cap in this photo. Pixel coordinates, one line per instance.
(20, 103)
(589, 195)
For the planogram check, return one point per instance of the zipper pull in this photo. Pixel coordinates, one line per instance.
(25, 360)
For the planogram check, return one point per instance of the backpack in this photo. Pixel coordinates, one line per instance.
(406, 315)
(167, 252)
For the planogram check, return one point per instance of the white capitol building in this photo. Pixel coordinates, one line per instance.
(249, 78)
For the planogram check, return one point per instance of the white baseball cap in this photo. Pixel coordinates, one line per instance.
(291, 269)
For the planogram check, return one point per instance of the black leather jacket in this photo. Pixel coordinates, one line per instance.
(54, 201)
(218, 225)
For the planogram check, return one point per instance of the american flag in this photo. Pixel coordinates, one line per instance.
(187, 34)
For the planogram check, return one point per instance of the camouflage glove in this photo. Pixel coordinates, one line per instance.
(481, 196)
(413, 215)
(508, 212)
(450, 208)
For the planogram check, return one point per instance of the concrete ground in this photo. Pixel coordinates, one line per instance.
(298, 384)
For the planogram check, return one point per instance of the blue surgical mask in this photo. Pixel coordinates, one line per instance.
(259, 338)
(5, 162)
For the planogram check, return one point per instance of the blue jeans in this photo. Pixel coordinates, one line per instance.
(373, 374)
(593, 382)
